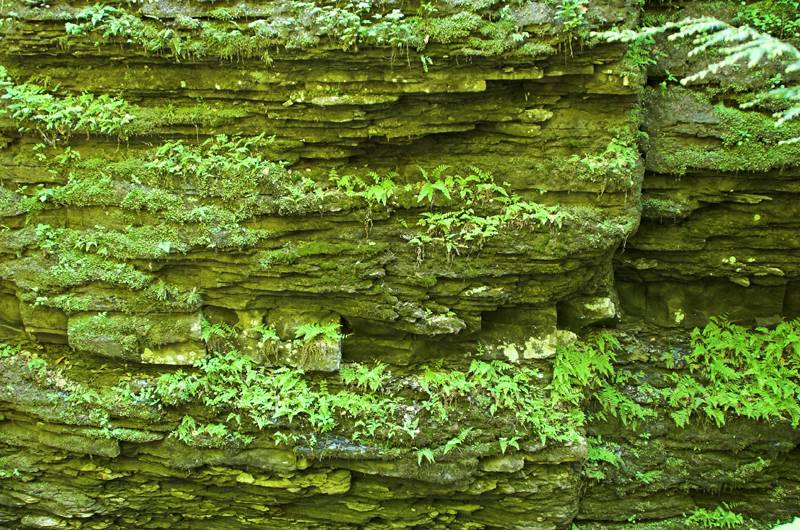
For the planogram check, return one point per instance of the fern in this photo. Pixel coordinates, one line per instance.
(311, 331)
(736, 46)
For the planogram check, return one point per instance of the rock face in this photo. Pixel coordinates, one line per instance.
(305, 265)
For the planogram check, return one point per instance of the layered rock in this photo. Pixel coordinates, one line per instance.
(301, 266)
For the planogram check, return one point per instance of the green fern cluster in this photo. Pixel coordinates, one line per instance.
(589, 368)
(465, 211)
(300, 24)
(33, 108)
(733, 46)
(780, 18)
(613, 168)
(719, 517)
(753, 374)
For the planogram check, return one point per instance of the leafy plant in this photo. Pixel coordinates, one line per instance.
(505, 443)
(571, 14)
(465, 226)
(720, 517)
(216, 333)
(301, 24)
(457, 440)
(755, 374)
(426, 454)
(365, 377)
(313, 330)
(211, 435)
(735, 46)
(377, 194)
(266, 333)
(611, 168)
(56, 118)
(600, 453)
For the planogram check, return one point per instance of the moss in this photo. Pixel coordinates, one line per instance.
(73, 269)
(117, 336)
(777, 17)
(154, 241)
(291, 253)
(31, 107)
(661, 209)
(750, 141)
(303, 25)
(451, 28)
(124, 434)
(614, 169)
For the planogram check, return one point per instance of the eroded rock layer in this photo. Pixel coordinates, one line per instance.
(345, 265)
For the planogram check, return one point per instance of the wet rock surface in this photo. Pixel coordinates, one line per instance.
(210, 210)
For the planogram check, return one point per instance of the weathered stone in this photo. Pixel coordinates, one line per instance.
(123, 268)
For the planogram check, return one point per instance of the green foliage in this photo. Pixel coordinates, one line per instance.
(74, 267)
(223, 167)
(379, 193)
(734, 46)
(613, 168)
(465, 211)
(232, 386)
(38, 367)
(426, 453)
(231, 383)
(217, 330)
(8, 350)
(314, 330)
(580, 365)
(480, 211)
(123, 331)
(266, 333)
(754, 374)
(571, 14)
(640, 55)
(599, 455)
(56, 118)
(649, 477)
(780, 18)
(457, 441)
(589, 366)
(502, 388)
(505, 443)
(8, 473)
(300, 24)
(720, 517)
(365, 377)
(209, 435)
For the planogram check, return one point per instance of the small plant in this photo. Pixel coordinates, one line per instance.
(56, 118)
(734, 47)
(38, 367)
(484, 210)
(571, 14)
(457, 440)
(649, 477)
(311, 331)
(7, 350)
(211, 435)
(720, 517)
(425, 454)
(211, 332)
(377, 194)
(266, 333)
(601, 453)
(364, 377)
(755, 374)
(505, 443)
(613, 168)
